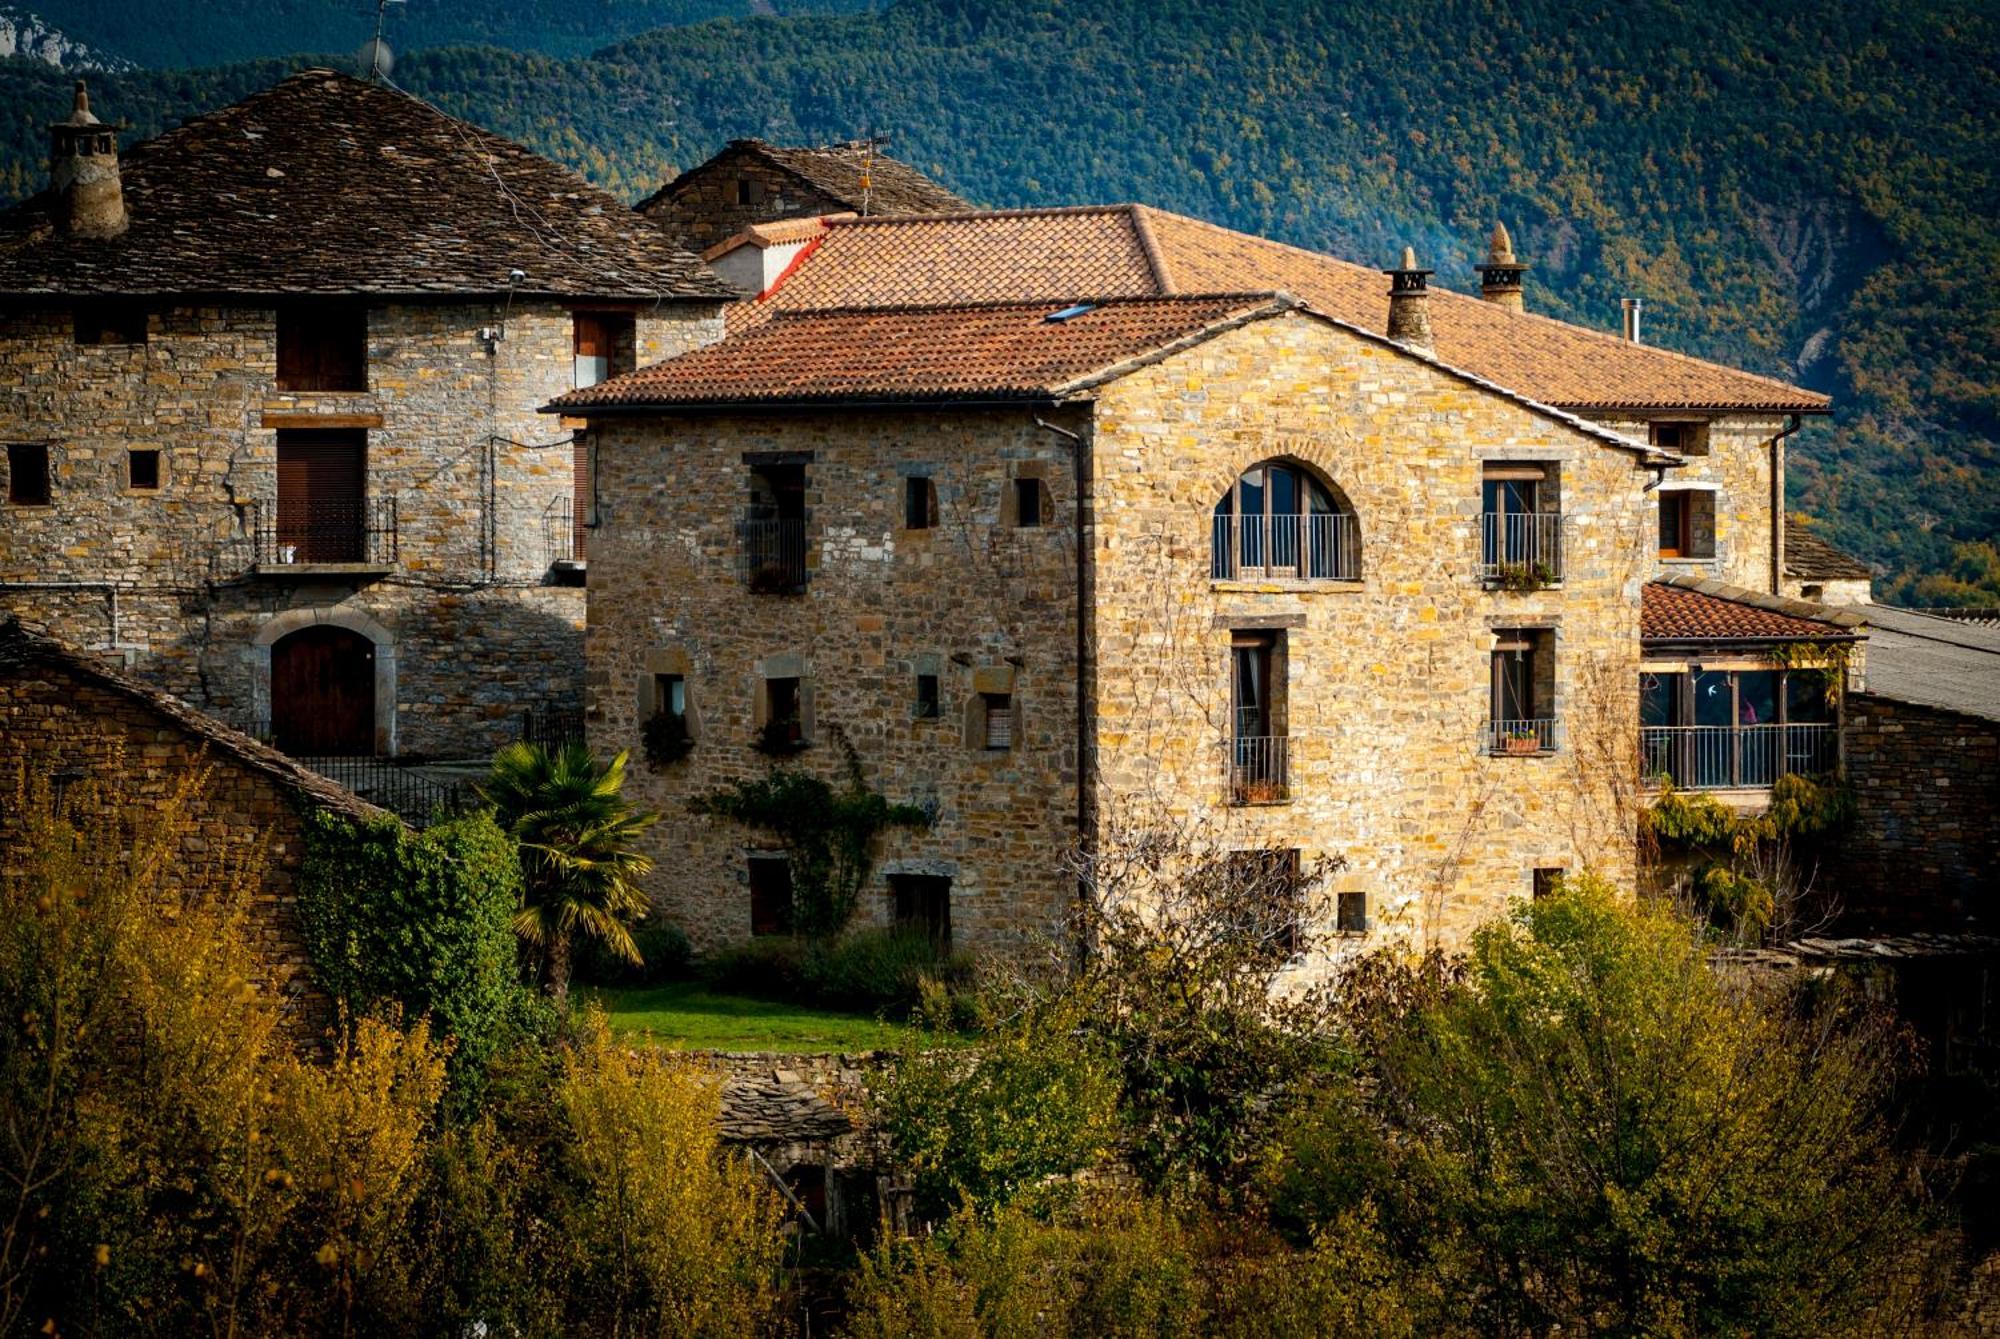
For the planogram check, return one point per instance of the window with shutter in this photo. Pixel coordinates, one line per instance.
(999, 720)
(323, 346)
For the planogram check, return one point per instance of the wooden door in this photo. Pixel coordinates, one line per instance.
(323, 693)
(321, 480)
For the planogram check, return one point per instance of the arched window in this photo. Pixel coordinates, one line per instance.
(1279, 520)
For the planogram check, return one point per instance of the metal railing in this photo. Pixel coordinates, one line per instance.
(563, 532)
(1717, 757)
(1524, 547)
(552, 727)
(387, 783)
(1257, 769)
(775, 553)
(1321, 547)
(286, 532)
(1540, 734)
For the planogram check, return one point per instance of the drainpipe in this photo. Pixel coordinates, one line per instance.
(1085, 595)
(110, 597)
(1778, 504)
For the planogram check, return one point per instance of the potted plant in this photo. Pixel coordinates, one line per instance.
(1520, 740)
(1524, 576)
(666, 739)
(780, 738)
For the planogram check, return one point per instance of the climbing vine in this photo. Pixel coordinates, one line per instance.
(1742, 865)
(830, 834)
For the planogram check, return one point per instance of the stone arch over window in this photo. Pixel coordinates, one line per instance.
(381, 641)
(1284, 519)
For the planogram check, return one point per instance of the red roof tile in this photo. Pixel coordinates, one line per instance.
(1007, 351)
(1673, 612)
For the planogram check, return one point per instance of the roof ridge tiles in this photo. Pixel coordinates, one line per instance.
(1011, 304)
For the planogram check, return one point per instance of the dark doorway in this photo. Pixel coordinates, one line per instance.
(770, 895)
(922, 906)
(320, 487)
(323, 693)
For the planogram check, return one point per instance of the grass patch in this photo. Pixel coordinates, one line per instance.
(689, 1016)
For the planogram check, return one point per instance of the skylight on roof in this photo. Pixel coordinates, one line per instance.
(1068, 313)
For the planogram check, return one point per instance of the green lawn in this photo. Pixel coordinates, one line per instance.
(686, 1015)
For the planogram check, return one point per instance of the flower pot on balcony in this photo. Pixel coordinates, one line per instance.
(1518, 744)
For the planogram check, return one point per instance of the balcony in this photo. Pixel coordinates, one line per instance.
(1321, 547)
(1521, 738)
(1257, 769)
(1520, 550)
(1737, 757)
(774, 554)
(562, 534)
(346, 538)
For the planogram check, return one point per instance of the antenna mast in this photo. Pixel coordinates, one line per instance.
(376, 54)
(872, 141)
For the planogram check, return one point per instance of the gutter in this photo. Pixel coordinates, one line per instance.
(1778, 504)
(110, 597)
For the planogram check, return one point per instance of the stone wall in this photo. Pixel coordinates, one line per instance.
(984, 606)
(55, 721)
(706, 208)
(1386, 678)
(1738, 466)
(479, 480)
(1926, 844)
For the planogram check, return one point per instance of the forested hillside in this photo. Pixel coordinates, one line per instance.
(1803, 187)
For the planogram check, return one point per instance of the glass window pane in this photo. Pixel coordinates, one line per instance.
(1659, 699)
(1284, 491)
(1806, 698)
(1714, 704)
(1757, 697)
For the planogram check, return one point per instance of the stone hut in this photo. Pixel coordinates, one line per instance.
(752, 182)
(273, 441)
(66, 715)
(1078, 522)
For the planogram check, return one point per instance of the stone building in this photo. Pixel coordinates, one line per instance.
(267, 399)
(66, 716)
(752, 182)
(1082, 522)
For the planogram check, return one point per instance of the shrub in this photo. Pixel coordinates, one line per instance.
(770, 968)
(664, 952)
(418, 921)
(1589, 1130)
(882, 970)
(1008, 1118)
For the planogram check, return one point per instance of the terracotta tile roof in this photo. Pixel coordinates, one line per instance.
(835, 170)
(1677, 609)
(327, 184)
(1811, 558)
(1004, 352)
(22, 651)
(1135, 251)
(777, 233)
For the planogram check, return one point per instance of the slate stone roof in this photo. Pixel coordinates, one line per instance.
(1810, 558)
(777, 1106)
(326, 184)
(22, 652)
(1000, 352)
(1934, 662)
(1689, 609)
(834, 170)
(1069, 255)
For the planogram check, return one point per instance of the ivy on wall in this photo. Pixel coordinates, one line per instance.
(1744, 876)
(422, 921)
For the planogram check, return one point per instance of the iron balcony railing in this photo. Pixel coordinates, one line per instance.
(1718, 757)
(563, 532)
(1322, 547)
(775, 553)
(1257, 769)
(287, 532)
(552, 727)
(1539, 734)
(387, 783)
(1521, 547)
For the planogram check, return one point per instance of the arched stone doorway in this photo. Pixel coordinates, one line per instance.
(323, 693)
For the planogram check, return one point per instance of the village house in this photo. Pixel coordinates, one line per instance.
(1074, 522)
(268, 411)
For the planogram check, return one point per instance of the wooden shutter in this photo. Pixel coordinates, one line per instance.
(321, 482)
(581, 484)
(999, 721)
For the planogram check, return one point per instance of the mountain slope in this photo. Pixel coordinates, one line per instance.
(1798, 187)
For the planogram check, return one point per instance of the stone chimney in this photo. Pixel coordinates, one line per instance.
(1410, 304)
(1500, 276)
(83, 173)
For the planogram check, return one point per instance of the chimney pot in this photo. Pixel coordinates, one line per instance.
(83, 173)
(1631, 309)
(1500, 276)
(1410, 304)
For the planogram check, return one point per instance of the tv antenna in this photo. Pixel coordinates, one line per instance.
(871, 140)
(375, 58)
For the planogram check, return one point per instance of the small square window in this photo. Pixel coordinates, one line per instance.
(142, 471)
(999, 720)
(919, 503)
(670, 696)
(1351, 913)
(1548, 880)
(1690, 439)
(927, 697)
(1028, 503)
(110, 323)
(28, 474)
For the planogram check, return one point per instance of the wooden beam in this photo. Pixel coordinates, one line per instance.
(276, 419)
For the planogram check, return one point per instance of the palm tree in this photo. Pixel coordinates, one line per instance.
(579, 864)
